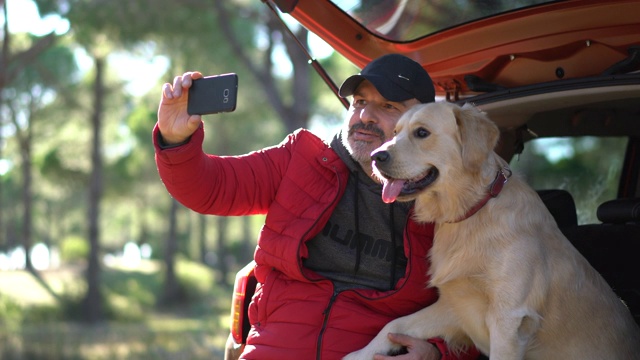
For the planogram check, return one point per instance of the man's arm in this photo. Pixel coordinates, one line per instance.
(232, 351)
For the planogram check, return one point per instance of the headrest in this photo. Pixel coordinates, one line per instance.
(619, 211)
(561, 205)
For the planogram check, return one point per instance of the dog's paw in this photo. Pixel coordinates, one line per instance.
(359, 355)
(379, 345)
(374, 348)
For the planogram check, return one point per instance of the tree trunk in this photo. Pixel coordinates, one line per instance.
(298, 113)
(24, 135)
(223, 267)
(92, 305)
(172, 292)
(27, 201)
(248, 248)
(27, 195)
(4, 235)
(202, 238)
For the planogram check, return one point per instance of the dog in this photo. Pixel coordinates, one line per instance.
(509, 282)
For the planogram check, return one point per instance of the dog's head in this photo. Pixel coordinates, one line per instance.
(438, 149)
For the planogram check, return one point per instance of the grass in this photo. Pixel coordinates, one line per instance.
(34, 322)
(113, 341)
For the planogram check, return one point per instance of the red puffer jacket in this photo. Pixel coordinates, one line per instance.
(295, 313)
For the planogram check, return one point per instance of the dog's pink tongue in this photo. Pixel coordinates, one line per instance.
(391, 190)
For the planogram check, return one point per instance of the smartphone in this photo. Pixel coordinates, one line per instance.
(213, 94)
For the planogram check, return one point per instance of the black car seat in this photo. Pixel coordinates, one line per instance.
(613, 247)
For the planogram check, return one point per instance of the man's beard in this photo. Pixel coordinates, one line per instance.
(360, 151)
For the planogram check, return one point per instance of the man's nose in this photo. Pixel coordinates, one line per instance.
(368, 114)
(380, 156)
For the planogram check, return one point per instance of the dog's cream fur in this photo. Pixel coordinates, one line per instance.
(510, 283)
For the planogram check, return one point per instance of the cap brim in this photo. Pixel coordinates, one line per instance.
(386, 88)
(350, 85)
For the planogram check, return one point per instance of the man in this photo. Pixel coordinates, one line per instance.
(334, 263)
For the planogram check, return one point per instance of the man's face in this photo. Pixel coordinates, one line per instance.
(372, 119)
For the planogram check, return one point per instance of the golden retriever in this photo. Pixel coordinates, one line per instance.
(510, 283)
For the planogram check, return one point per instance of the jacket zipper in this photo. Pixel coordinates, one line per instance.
(335, 293)
(325, 320)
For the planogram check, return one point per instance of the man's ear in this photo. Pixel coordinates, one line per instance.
(479, 135)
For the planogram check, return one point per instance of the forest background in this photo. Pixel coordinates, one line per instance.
(97, 261)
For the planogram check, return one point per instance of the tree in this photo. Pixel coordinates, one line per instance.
(193, 34)
(25, 96)
(172, 291)
(589, 169)
(93, 302)
(296, 113)
(174, 27)
(13, 62)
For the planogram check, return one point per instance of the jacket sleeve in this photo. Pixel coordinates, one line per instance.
(469, 354)
(221, 185)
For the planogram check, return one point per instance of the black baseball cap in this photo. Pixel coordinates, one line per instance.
(396, 77)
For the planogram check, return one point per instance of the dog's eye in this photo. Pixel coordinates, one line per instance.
(421, 133)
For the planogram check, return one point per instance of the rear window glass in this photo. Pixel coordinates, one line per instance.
(587, 167)
(405, 20)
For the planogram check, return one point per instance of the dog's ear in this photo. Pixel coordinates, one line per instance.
(479, 135)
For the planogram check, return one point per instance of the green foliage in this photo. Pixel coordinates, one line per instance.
(52, 167)
(13, 316)
(10, 313)
(53, 68)
(41, 314)
(141, 287)
(197, 279)
(74, 248)
(589, 169)
(135, 329)
(128, 22)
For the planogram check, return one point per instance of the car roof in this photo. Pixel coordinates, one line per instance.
(517, 44)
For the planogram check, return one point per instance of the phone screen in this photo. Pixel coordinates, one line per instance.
(213, 94)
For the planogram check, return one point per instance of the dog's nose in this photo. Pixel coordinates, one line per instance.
(380, 156)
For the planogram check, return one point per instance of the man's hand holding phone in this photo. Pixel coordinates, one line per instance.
(191, 96)
(174, 123)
